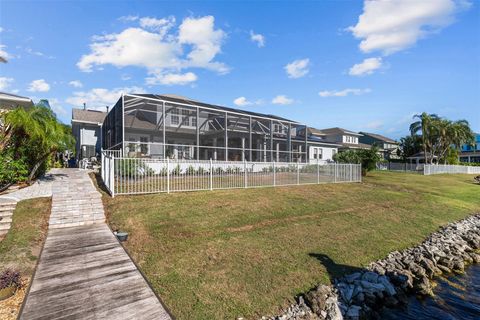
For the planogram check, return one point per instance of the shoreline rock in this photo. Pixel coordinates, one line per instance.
(387, 282)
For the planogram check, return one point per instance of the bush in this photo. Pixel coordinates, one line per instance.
(132, 167)
(12, 171)
(9, 278)
(367, 158)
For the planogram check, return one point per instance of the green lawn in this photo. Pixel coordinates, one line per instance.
(248, 252)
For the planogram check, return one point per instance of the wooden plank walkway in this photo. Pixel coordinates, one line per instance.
(84, 273)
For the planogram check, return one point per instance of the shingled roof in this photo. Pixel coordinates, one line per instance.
(378, 137)
(88, 116)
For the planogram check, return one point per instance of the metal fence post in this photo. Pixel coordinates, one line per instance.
(112, 176)
(168, 176)
(274, 175)
(245, 181)
(298, 173)
(334, 172)
(211, 174)
(318, 172)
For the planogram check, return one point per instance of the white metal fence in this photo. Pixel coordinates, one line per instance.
(441, 168)
(141, 175)
(398, 166)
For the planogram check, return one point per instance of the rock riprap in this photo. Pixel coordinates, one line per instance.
(387, 282)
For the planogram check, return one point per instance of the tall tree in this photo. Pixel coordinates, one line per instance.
(425, 126)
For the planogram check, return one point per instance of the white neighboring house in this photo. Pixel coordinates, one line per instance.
(87, 130)
(319, 149)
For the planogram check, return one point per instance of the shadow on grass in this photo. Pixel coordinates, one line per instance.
(335, 270)
(99, 182)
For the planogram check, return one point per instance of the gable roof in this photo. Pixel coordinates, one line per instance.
(379, 137)
(11, 101)
(88, 116)
(315, 132)
(338, 130)
(180, 99)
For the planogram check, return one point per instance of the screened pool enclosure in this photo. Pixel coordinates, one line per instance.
(173, 127)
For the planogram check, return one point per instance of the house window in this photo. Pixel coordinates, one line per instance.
(315, 153)
(320, 153)
(174, 118)
(194, 121)
(186, 118)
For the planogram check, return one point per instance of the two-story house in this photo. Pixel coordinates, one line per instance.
(346, 139)
(86, 128)
(388, 147)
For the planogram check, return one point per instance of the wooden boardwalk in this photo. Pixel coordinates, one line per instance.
(84, 273)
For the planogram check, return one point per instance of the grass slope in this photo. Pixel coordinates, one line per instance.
(21, 247)
(225, 254)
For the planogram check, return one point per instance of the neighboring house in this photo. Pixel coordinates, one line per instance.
(10, 101)
(86, 128)
(175, 127)
(348, 140)
(388, 146)
(320, 150)
(419, 158)
(471, 153)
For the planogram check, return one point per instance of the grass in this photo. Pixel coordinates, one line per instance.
(21, 247)
(248, 252)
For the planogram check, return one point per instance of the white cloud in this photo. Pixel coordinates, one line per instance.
(3, 53)
(76, 84)
(206, 41)
(297, 68)
(5, 82)
(282, 99)
(258, 38)
(128, 18)
(242, 102)
(159, 49)
(1, 29)
(162, 26)
(377, 124)
(98, 98)
(343, 93)
(125, 77)
(172, 79)
(394, 25)
(368, 66)
(39, 85)
(57, 107)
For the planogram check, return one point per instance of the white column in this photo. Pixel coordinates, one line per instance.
(278, 152)
(215, 149)
(243, 149)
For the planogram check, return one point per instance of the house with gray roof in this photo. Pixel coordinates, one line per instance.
(86, 128)
(388, 146)
(347, 139)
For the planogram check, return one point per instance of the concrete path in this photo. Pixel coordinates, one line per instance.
(83, 272)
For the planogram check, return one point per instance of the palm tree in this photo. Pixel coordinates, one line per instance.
(424, 125)
(36, 130)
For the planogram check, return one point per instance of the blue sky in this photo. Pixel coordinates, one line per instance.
(362, 66)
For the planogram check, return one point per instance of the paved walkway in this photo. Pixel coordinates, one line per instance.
(83, 272)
